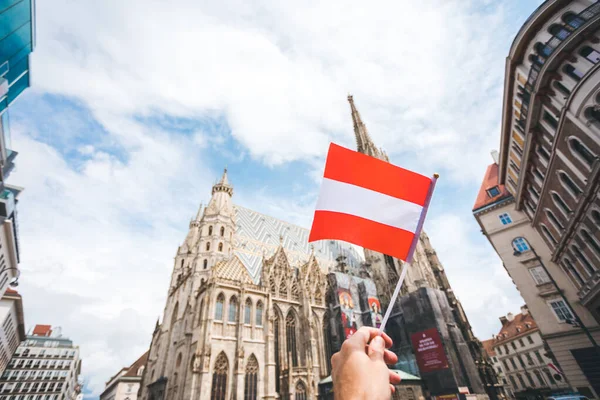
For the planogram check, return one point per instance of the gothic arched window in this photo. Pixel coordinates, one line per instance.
(178, 362)
(543, 153)
(210, 229)
(573, 20)
(553, 220)
(560, 203)
(200, 310)
(559, 31)
(233, 305)
(250, 381)
(174, 315)
(283, 290)
(568, 183)
(300, 391)
(222, 231)
(277, 353)
(318, 297)
(573, 72)
(583, 259)
(596, 217)
(573, 271)
(219, 307)
(581, 151)
(592, 114)
(207, 246)
(327, 342)
(248, 312)
(410, 394)
(205, 263)
(547, 234)
(272, 285)
(295, 291)
(561, 88)
(220, 247)
(290, 329)
(219, 380)
(542, 49)
(259, 314)
(589, 53)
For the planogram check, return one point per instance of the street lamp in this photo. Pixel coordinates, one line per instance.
(578, 322)
(15, 281)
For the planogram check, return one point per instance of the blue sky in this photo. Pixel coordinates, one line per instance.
(127, 126)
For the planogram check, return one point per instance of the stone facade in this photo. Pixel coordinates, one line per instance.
(125, 385)
(252, 313)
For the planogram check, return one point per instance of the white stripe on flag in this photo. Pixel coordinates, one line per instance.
(350, 199)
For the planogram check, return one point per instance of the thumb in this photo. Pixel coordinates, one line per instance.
(376, 348)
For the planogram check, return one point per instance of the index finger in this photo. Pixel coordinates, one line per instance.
(364, 335)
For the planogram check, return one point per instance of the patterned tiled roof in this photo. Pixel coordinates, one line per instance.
(232, 269)
(257, 233)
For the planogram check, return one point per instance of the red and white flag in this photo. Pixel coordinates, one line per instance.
(370, 203)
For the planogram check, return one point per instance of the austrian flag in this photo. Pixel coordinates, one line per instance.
(371, 203)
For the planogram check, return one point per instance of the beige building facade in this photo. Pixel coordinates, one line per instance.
(547, 180)
(125, 385)
(550, 139)
(511, 234)
(521, 359)
(12, 326)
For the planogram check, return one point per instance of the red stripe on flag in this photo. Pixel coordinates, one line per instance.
(361, 170)
(363, 232)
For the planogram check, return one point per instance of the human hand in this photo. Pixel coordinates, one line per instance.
(358, 369)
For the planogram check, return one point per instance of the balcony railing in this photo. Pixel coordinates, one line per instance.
(547, 49)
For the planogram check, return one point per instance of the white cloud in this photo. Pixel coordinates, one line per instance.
(474, 271)
(98, 236)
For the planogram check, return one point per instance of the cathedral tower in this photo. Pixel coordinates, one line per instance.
(385, 270)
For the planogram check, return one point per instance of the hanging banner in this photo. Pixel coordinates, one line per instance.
(375, 308)
(429, 350)
(347, 311)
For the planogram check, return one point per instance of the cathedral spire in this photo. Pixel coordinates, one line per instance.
(199, 214)
(364, 144)
(223, 185)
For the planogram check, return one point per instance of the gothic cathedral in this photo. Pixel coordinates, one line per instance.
(246, 315)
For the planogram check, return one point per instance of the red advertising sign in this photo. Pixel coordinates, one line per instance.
(429, 350)
(375, 308)
(347, 309)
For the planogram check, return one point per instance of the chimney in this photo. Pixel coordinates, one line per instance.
(510, 316)
(524, 310)
(503, 320)
(495, 156)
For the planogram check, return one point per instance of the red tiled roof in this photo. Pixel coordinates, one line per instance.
(140, 362)
(487, 346)
(42, 330)
(516, 328)
(489, 181)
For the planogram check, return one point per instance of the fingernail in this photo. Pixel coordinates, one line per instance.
(378, 342)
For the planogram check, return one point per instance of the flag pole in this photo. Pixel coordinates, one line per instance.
(411, 252)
